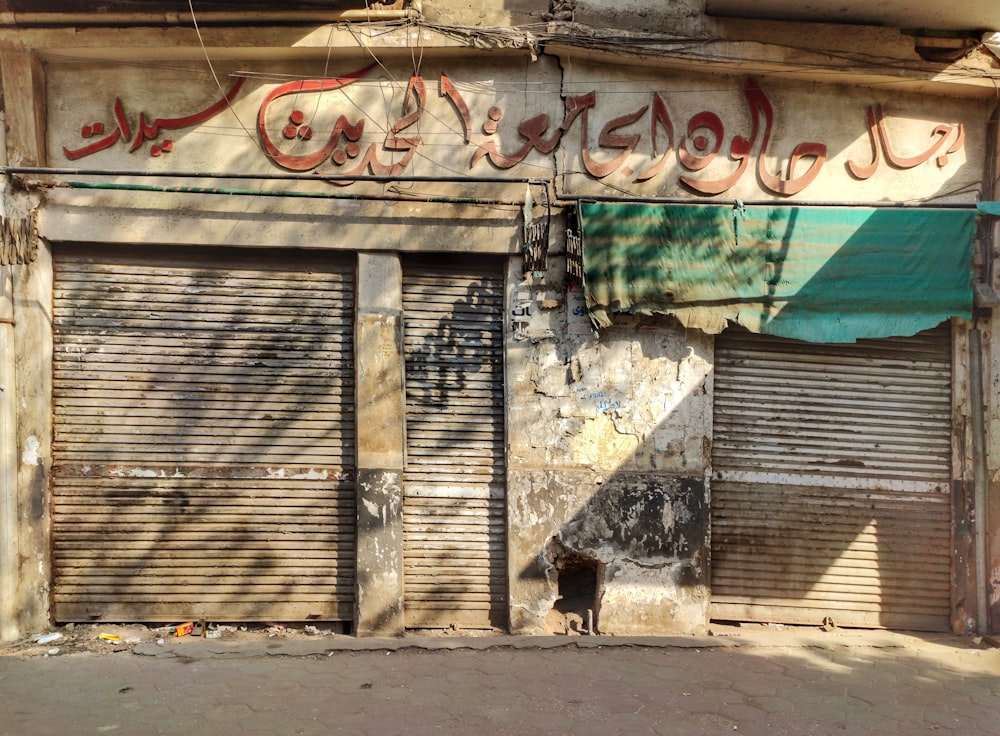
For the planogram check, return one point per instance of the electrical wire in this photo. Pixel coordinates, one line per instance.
(211, 66)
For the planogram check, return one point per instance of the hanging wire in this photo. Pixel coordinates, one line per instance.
(211, 66)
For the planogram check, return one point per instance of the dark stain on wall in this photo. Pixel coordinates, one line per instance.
(647, 517)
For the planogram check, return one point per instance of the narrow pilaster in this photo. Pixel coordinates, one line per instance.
(9, 562)
(25, 366)
(380, 417)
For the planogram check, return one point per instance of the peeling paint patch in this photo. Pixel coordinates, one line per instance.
(313, 474)
(372, 507)
(668, 515)
(30, 454)
(141, 473)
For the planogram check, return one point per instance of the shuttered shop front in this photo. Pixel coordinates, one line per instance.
(831, 493)
(453, 508)
(203, 456)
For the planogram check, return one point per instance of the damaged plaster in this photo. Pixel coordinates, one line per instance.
(30, 454)
(609, 454)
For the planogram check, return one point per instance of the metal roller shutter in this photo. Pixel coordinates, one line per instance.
(454, 508)
(831, 491)
(204, 443)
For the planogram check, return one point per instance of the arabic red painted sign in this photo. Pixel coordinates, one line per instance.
(292, 140)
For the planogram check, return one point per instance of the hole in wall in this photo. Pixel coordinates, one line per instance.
(578, 584)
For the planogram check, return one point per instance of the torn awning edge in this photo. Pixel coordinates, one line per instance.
(820, 274)
(827, 329)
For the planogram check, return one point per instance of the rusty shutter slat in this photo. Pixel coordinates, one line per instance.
(831, 481)
(454, 508)
(204, 448)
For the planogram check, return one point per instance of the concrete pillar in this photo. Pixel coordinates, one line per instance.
(380, 417)
(9, 565)
(25, 351)
(33, 364)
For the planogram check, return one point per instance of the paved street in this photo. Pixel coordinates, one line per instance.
(842, 684)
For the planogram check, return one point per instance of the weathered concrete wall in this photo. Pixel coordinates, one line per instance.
(607, 466)
(675, 17)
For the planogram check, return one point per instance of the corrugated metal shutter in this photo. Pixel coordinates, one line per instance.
(831, 491)
(454, 509)
(204, 441)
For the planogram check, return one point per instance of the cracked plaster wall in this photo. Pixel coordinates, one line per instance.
(609, 451)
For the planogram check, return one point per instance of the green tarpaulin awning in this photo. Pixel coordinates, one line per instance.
(821, 274)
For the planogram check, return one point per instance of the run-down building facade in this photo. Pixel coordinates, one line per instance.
(524, 318)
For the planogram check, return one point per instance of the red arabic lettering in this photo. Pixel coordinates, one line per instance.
(449, 90)
(659, 118)
(703, 157)
(609, 139)
(122, 132)
(531, 130)
(740, 148)
(702, 141)
(908, 162)
(878, 135)
(955, 147)
(579, 107)
(306, 162)
(392, 141)
(89, 130)
(739, 151)
(863, 172)
(148, 131)
(776, 183)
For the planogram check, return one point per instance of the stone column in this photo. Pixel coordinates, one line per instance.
(26, 370)
(9, 566)
(380, 419)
